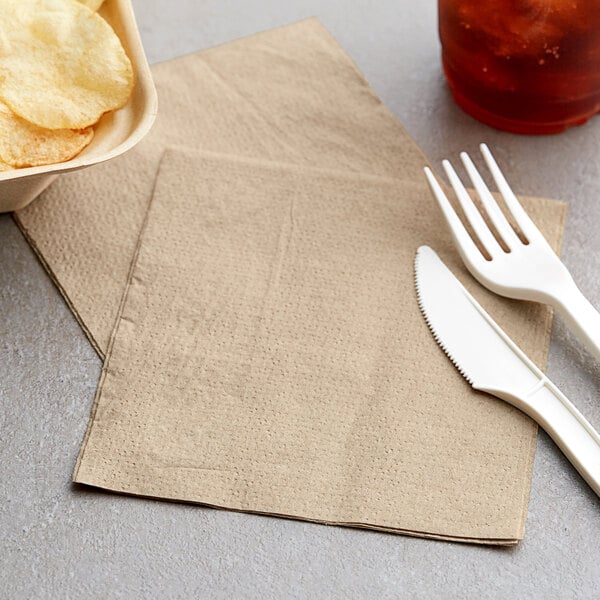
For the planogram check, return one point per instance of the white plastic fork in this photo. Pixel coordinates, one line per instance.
(527, 271)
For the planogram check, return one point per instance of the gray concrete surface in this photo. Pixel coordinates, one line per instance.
(58, 541)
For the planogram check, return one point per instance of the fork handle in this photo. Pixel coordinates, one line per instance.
(580, 315)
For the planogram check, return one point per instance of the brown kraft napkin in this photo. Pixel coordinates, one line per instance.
(290, 94)
(270, 357)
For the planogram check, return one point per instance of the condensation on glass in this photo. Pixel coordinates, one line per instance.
(527, 66)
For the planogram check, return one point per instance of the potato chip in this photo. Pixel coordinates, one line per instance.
(92, 4)
(61, 65)
(23, 144)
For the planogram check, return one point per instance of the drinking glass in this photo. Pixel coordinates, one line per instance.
(527, 66)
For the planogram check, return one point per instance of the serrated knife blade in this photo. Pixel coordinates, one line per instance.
(491, 362)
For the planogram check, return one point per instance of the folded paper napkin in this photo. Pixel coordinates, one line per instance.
(270, 356)
(269, 342)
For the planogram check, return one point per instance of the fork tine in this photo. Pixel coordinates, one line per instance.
(466, 246)
(526, 225)
(473, 215)
(490, 205)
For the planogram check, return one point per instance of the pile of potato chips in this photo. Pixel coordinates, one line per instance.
(61, 68)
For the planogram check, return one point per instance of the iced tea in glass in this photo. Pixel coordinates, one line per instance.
(527, 66)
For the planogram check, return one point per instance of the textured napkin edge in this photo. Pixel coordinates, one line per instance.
(63, 292)
(561, 225)
(114, 332)
(496, 542)
(549, 320)
(543, 365)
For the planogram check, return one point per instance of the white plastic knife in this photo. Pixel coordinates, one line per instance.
(491, 362)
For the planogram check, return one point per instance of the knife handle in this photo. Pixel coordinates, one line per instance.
(569, 429)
